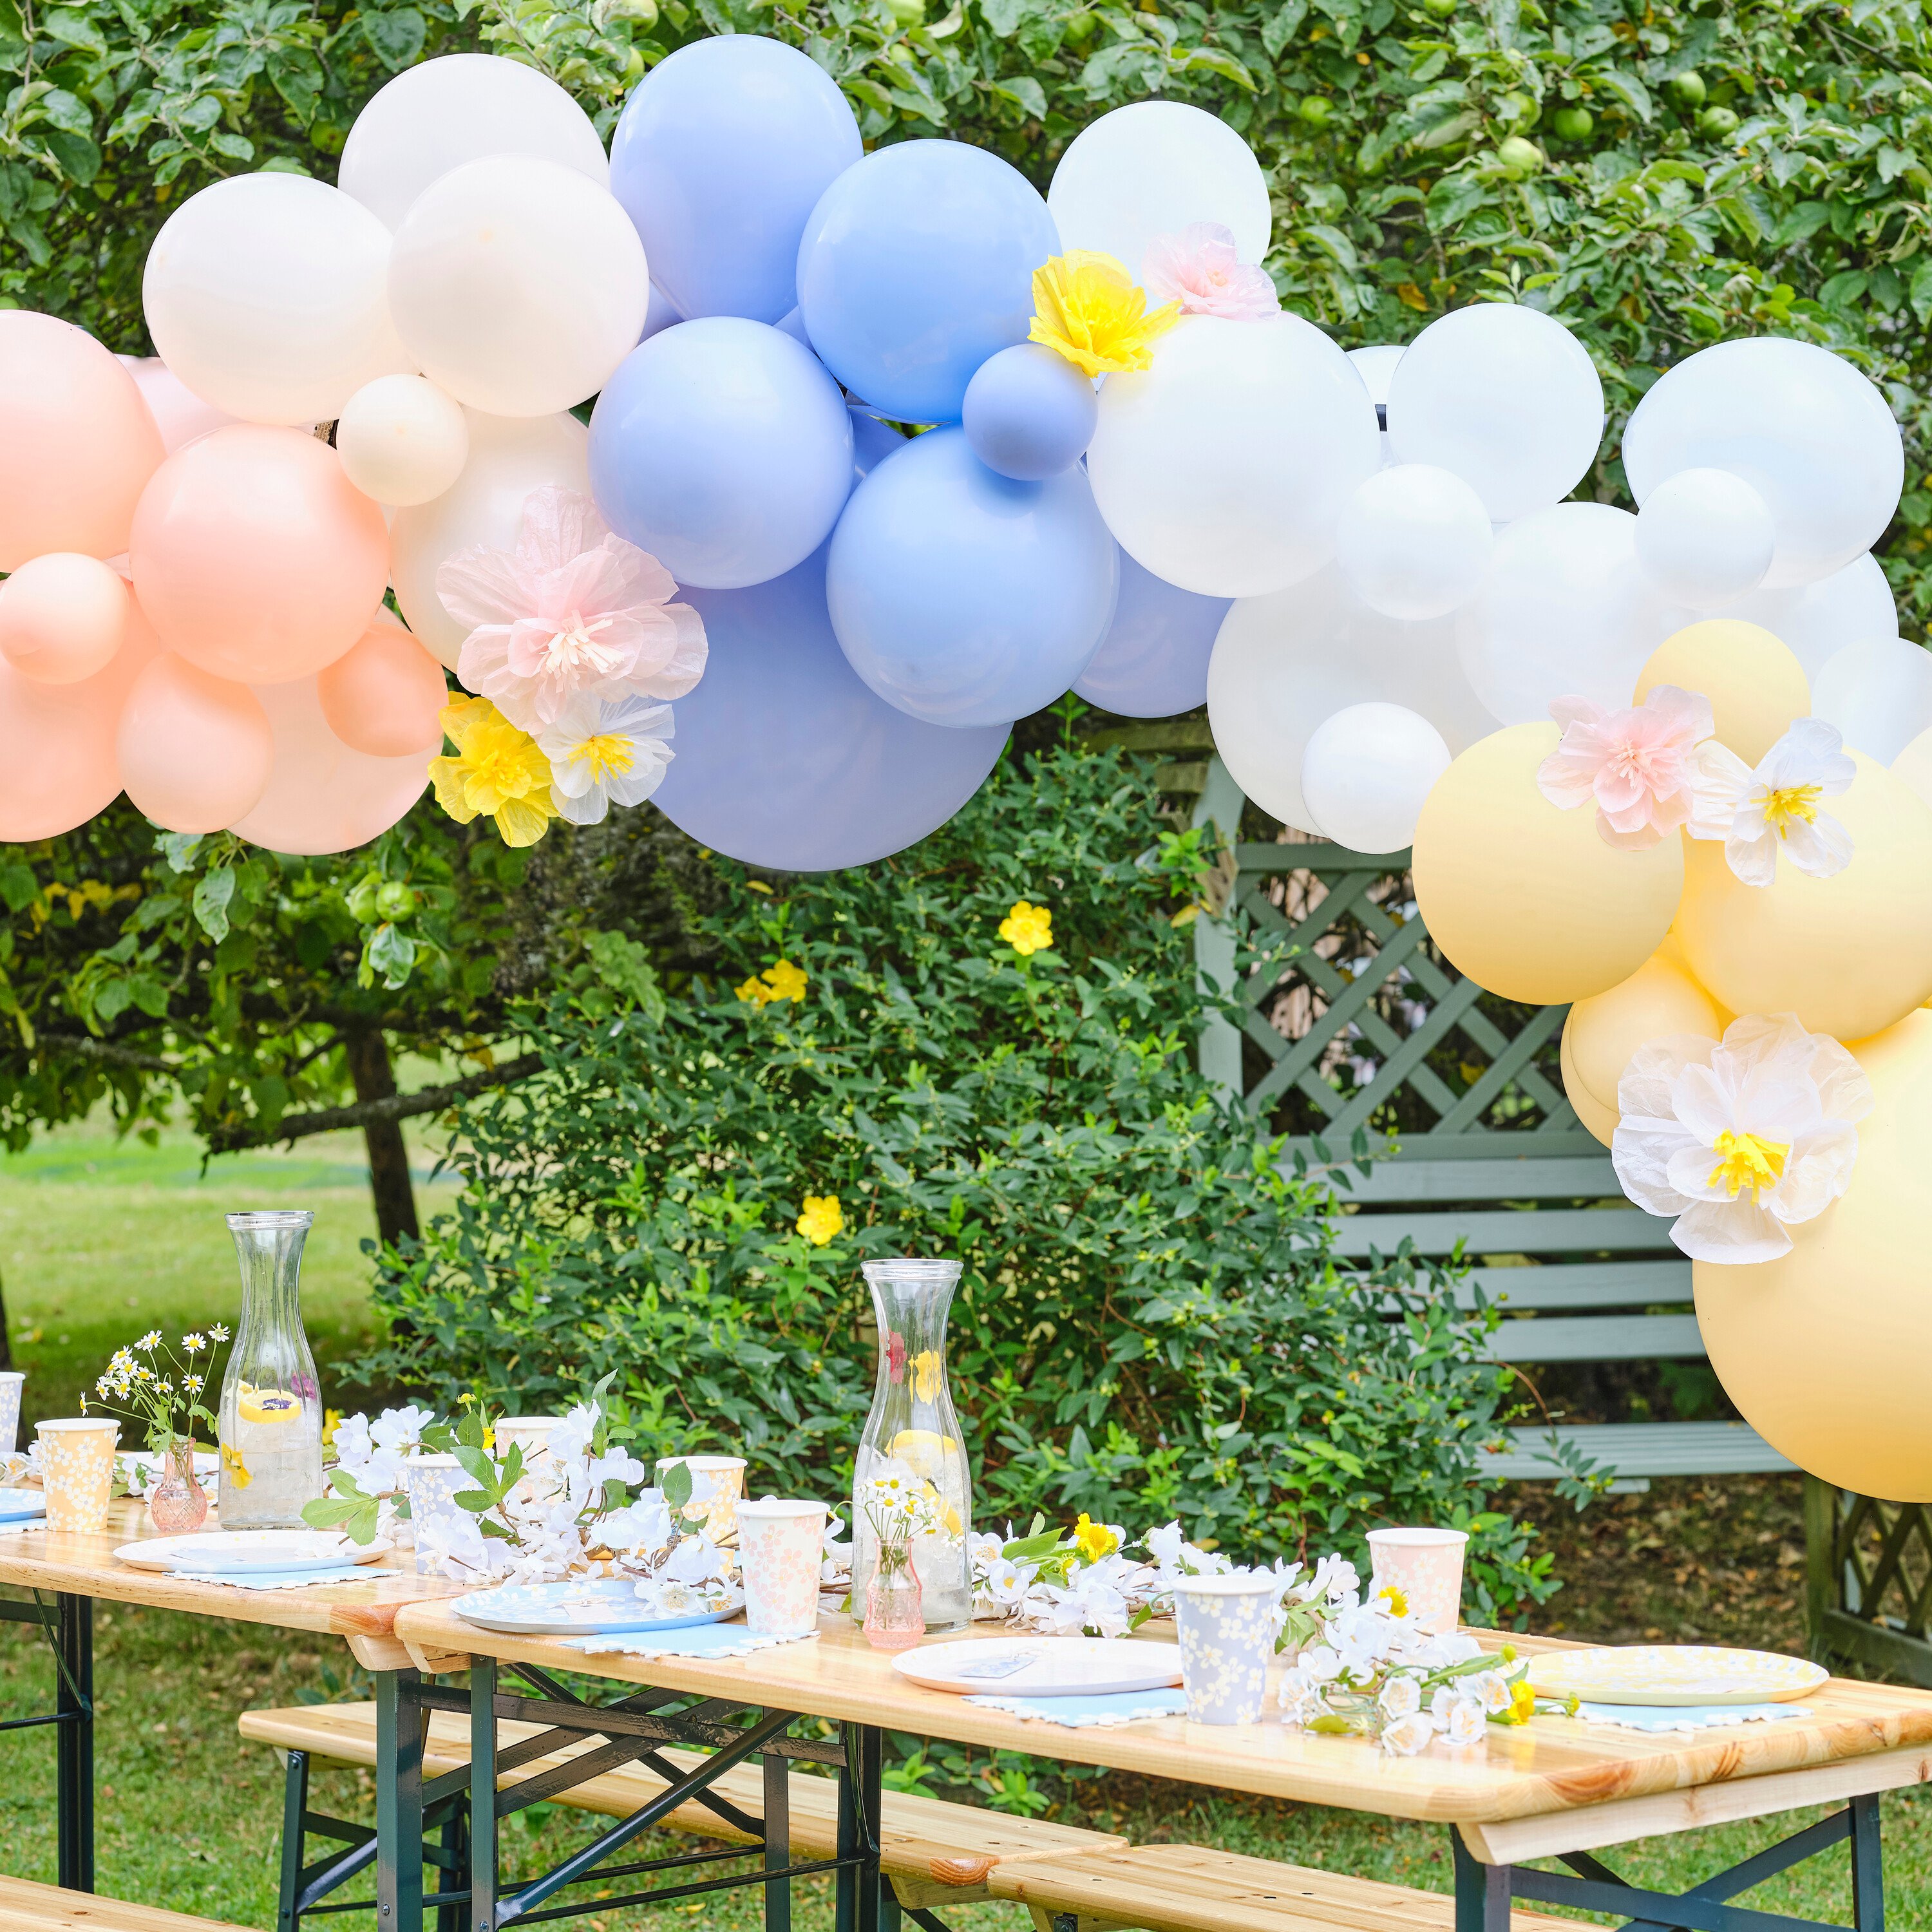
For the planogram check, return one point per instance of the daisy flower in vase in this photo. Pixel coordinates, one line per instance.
(604, 752)
(1759, 813)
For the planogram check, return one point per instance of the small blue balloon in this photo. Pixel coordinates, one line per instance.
(783, 758)
(723, 448)
(916, 266)
(1030, 413)
(965, 597)
(1153, 663)
(721, 154)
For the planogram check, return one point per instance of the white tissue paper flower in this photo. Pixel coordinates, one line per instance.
(1758, 813)
(400, 1430)
(1402, 1697)
(570, 1440)
(1741, 1140)
(1407, 1735)
(1491, 1690)
(604, 752)
(1466, 1723)
(643, 1525)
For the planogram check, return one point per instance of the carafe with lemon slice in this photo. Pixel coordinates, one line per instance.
(270, 1416)
(913, 1432)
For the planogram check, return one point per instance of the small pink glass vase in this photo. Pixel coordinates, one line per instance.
(894, 1619)
(177, 1504)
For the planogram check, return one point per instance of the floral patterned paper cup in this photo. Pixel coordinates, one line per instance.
(717, 1482)
(1425, 1565)
(76, 1460)
(531, 1434)
(1227, 1643)
(779, 1547)
(10, 1380)
(432, 1482)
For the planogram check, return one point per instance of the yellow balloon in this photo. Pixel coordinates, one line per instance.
(1913, 767)
(1824, 1350)
(1524, 898)
(1599, 1120)
(1659, 998)
(1755, 684)
(1848, 955)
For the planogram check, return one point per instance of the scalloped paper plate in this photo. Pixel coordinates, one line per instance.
(241, 1552)
(1042, 1667)
(1675, 1674)
(576, 1606)
(22, 1505)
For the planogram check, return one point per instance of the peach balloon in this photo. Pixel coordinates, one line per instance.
(194, 750)
(179, 413)
(255, 557)
(62, 617)
(1661, 997)
(322, 796)
(385, 694)
(57, 762)
(77, 444)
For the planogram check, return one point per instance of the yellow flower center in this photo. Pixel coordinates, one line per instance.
(1747, 1160)
(1397, 1603)
(608, 756)
(1791, 804)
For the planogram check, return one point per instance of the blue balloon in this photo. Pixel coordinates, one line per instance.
(872, 441)
(720, 155)
(916, 266)
(962, 597)
(723, 448)
(1030, 413)
(1154, 661)
(660, 315)
(783, 758)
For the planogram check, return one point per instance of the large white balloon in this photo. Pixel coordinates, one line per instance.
(518, 285)
(1706, 538)
(458, 108)
(267, 296)
(1879, 693)
(1375, 365)
(1504, 396)
(1365, 772)
(1565, 608)
(1801, 425)
(1815, 621)
(509, 458)
(1223, 468)
(1151, 169)
(402, 440)
(1413, 541)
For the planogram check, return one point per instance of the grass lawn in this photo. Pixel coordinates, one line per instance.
(98, 1242)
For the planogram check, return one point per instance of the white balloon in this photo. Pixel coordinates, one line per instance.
(402, 440)
(1801, 425)
(1704, 537)
(267, 296)
(1914, 765)
(1879, 693)
(517, 285)
(1375, 365)
(178, 413)
(1222, 468)
(1413, 541)
(1367, 770)
(458, 108)
(1151, 169)
(1504, 396)
(1816, 620)
(509, 457)
(1565, 608)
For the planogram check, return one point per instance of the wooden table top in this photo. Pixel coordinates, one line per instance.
(1550, 1765)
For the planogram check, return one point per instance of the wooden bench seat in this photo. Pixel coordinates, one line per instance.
(936, 1851)
(25, 1906)
(1197, 1888)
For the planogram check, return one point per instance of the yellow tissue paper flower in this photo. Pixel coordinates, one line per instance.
(1027, 929)
(499, 772)
(784, 981)
(1094, 1540)
(821, 1219)
(1087, 309)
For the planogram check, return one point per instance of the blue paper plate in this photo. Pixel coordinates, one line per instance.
(22, 1505)
(579, 1607)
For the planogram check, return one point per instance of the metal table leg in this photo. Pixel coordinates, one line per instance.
(400, 1723)
(73, 1705)
(859, 1907)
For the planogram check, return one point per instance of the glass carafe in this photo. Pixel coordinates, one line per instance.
(271, 1416)
(912, 1432)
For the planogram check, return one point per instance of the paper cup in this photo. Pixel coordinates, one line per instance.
(76, 1460)
(1227, 1643)
(780, 1546)
(1425, 1565)
(717, 1482)
(531, 1434)
(432, 1482)
(10, 1380)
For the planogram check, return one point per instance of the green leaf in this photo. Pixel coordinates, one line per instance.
(395, 35)
(69, 25)
(79, 157)
(675, 1482)
(391, 953)
(1283, 26)
(1026, 94)
(213, 891)
(19, 888)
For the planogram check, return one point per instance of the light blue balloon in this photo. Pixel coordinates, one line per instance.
(720, 155)
(962, 597)
(724, 449)
(872, 441)
(659, 316)
(1030, 413)
(783, 758)
(916, 266)
(1153, 663)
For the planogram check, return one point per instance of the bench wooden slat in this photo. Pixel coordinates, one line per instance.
(1599, 1338)
(1582, 1284)
(1535, 1177)
(1503, 1231)
(1643, 1449)
(25, 1906)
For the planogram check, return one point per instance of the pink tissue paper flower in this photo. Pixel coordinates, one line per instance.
(1198, 268)
(572, 612)
(1635, 763)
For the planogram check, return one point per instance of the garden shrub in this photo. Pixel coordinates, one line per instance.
(1151, 1322)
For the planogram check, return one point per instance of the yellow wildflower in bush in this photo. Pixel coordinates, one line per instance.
(1027, 929)
(821, 1219)
(784, 981)
(1087, 308)
(498, 772)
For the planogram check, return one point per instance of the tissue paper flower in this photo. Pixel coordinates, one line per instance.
(572, 611)
(603, 752)
(499, 772)
(1741, 1139)
(1089, 310)
(1635, 763)
(1759, 813)
(1198, 269)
